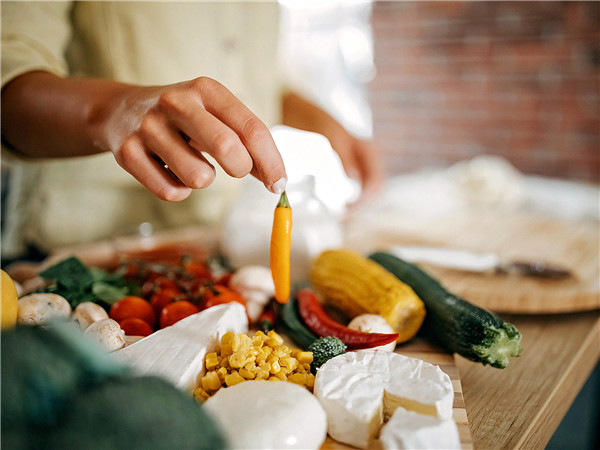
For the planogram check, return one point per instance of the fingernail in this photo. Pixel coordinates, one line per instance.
(279, 186)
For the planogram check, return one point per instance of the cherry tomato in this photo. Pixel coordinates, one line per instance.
(131, 271)
(133, 306)
(176, 311)
(198, 270)
(224, 279)
(217, 295)
(160, 299)
(134, 326)
(157, 284)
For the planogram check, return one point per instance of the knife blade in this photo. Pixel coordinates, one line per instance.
(485, 262)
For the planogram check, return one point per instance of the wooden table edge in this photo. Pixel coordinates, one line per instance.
(548, 418)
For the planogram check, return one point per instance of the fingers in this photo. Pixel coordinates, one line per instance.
(162, 139)
(175, 124)
(211, 135)
(150, 172)
(268, 164)
(226, 129)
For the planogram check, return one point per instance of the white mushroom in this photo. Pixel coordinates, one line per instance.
(108, 333)
(87, 313)
(38, 309)
(255, 284)
(373, 323)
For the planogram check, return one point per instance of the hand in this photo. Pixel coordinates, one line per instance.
(159, 135)
(361, 162)
(359, 157)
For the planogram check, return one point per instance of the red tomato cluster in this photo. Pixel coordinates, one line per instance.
(170, 292)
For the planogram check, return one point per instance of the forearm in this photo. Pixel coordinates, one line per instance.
(44, 115)
(359, 157)
(305, 115)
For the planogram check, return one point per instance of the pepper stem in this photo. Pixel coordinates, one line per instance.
(283, 201)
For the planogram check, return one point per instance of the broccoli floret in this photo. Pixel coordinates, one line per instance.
(323, 349)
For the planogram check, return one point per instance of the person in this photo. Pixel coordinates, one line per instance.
(173, 93)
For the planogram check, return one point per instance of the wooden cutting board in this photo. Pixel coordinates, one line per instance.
(513, 236)
(418, 348)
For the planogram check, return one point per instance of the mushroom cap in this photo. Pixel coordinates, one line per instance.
(37, 309)
(87, 313)
(108, 333)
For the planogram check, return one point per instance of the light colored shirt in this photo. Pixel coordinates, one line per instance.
(60, 202)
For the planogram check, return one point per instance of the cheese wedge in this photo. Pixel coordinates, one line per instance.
(358, 390)
(176, 353)
(410, 430)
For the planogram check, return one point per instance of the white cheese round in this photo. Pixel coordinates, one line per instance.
(269, 415)
(358, 389)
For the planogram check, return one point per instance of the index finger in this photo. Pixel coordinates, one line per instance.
(254, 134)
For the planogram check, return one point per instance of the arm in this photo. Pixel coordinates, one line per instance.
(359, 157)
(146, 128)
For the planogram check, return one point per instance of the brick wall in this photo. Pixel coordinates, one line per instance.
(462, 78)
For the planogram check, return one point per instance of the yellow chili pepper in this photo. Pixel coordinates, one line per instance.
(281, 243)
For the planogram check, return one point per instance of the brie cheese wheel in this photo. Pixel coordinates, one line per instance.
(410, 430)
(268, 415)
(177, 352)
(359, 389)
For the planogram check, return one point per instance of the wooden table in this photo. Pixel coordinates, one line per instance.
(521, 406)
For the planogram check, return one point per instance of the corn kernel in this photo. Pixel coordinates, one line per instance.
(240, 342)
(200, 394)
(237, 360)
(275, 367)
(289, 363)
(274, 339)
(211, 361)
(224, 362)
(282, 376)
(298, 378)
(262, 374)
(282, 351)
(259, 339)
(211, 382)
(247, 374)
(274, 378)
(304, 357)
(226, 349)
(233, 379)
(227, 337)
(221, 373)
(310, 381)
(306, 367)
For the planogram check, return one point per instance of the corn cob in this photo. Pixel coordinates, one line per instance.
(356, 285)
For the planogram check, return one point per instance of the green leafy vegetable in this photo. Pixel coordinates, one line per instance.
(77, 283)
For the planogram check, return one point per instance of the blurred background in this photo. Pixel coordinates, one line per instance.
(439, 82)
(515, 79)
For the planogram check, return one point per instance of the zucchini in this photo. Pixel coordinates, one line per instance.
(453, 322)
(290, 321)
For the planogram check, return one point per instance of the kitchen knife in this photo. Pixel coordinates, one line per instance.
(477, 262)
